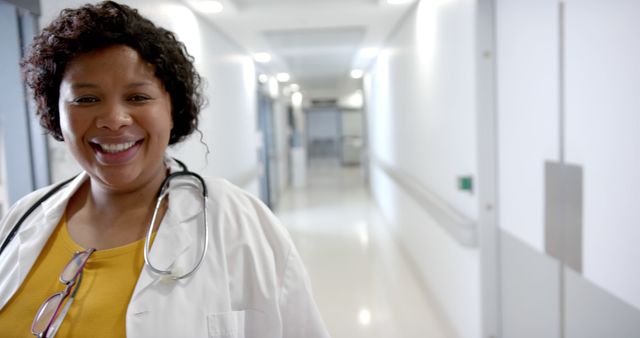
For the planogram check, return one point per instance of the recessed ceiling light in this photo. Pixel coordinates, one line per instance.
(369, 52)
(263, 78)
(262, 57)
(364, 317)
(296, 99)
(398, 2)
(294, 87)
(357, 73)
(209, 6)
(283, 77)
(274, 89)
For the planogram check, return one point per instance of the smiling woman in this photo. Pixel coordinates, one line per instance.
(118, 90)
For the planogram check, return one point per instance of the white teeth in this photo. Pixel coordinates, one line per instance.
(116, 148)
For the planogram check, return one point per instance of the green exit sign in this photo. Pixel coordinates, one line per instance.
(465, 183)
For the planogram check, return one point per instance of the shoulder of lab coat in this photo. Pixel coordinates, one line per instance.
(20, 254)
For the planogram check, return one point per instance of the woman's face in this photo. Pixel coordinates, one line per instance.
(115, 117)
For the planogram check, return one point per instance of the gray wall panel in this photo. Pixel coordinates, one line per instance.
(563, 213)
(530, 289)
(531, 303)
(13, 114)
(592, 312)
(32, 6)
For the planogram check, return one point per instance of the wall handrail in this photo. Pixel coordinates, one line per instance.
(461, 228)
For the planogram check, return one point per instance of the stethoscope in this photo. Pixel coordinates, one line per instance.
(165, 188)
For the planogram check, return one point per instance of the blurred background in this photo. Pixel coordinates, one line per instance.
(447, 168)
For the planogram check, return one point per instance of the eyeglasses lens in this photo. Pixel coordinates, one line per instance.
(74, 266)
(46, 313)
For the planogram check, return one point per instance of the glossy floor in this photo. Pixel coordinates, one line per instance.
(362, 284)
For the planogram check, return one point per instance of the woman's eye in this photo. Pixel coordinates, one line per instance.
(85, 100)
(139, 98)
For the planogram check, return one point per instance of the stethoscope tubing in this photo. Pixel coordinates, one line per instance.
(33, 208)
(163, 192)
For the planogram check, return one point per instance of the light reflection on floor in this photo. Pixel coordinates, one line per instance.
(363, 286)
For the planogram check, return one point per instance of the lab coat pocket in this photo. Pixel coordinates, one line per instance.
(226, 324)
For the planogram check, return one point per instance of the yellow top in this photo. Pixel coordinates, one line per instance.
(100, 306)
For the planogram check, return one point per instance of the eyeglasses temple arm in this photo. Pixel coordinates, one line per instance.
(56, 324)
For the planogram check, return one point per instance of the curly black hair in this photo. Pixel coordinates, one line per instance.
(91, 27)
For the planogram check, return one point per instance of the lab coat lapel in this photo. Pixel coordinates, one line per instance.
(31, 238)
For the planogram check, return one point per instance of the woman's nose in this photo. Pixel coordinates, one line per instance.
(114, 117)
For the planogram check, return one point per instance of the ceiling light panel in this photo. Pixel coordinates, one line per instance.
(209, 6)
(399, 2)
(262, 57)
(283, 77)
(357, 73)
(252, 3)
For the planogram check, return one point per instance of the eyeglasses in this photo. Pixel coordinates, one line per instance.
(49, 311)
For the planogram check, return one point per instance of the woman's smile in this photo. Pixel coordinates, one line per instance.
(116, 153)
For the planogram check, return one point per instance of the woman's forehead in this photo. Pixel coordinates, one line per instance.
(119, 61)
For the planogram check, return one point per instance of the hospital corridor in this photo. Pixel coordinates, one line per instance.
(339, 231)
(443, 168)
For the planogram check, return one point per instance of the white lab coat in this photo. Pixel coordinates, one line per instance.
(252, 282)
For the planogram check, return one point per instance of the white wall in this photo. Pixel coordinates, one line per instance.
(593, 126)
(421, 122)
(421, 103)
(228, 122)
(527, 48)
(600, 126)
(602, 119)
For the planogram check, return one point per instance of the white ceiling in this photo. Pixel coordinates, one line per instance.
(316, 41)
(318, 57)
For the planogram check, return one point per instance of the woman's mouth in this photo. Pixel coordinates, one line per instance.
(116, 153)
(115, 148)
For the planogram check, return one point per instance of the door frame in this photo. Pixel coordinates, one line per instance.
(487, 136)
